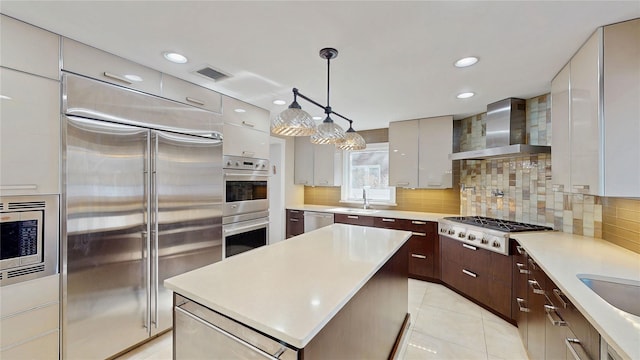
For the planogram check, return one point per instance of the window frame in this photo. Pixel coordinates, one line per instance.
(346, 180)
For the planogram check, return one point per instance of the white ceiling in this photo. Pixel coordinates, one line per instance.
(395, 58)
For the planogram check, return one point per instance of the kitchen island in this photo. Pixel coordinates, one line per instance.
(336, 292)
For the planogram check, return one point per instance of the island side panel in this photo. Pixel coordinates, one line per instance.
(368, 325)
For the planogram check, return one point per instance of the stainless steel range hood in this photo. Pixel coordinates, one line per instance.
(506, 133)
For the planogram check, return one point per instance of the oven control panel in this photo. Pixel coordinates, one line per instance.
(245, 163)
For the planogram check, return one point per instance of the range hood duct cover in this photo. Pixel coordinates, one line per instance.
(506, 133)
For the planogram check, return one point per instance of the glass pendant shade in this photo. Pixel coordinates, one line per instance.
(293, 122)
(352, 141)
(328, 133)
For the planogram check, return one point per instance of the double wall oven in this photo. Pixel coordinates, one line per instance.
(246, 205)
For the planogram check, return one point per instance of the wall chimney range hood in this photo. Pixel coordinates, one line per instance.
(506, 133)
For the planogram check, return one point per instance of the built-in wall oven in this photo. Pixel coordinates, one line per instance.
(245, 220)
(29, 231)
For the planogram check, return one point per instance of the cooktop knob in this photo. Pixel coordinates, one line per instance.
(471, 237)
(496, 244)
(484, 240)
(462, 235)
(451, 231)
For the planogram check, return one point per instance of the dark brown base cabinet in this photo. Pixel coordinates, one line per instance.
(295, 222)
(550, 326)
(484, 276)
(423, 246)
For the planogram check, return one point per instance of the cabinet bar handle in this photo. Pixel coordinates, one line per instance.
(352, 217)
(522, 308)
(467, 272)
(248, 153)
(19, 187)
(195, 101)
(418, 233)
(522, 269)
(294, 211)
(388, 220)
(117, 77)
(404, 183)
(416, 222)
(520, 250)
(469, 247)
(551, 311)
(246, 123)
(578, 354)
(294, 220)
(418, 256)
(535, 287)
(562, 298)
(532, 264)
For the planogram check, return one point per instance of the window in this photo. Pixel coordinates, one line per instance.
(368, 169)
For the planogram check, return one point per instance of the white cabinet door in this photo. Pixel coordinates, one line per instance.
(89, 61)
(586, 127)
(242, 114)
(560, 130)
(436, 144)
(403, 153)
(622, 109)
(303, 161)
(191, 94)
(29, 49)
(242, 141)
(327, 165)
(29, 134)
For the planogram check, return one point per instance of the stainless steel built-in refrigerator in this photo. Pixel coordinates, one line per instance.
(142, 205)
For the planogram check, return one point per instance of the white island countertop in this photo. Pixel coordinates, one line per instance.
(398, 214)
(562, 256)
(291, 289)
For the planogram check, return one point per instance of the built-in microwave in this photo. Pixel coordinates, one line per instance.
(29, 227)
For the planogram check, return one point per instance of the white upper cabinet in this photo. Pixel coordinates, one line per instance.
(419, 153)
(560, 129)
(246, 129)
(403, 153)
(316, 165)
(89, 61)
(191, 94)
(29, 134)
(29, 49)
(245, 115)
(595, 145)
(436, 144)
(622, 109)
(586, 125)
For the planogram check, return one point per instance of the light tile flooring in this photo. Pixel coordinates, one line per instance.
(444, 325)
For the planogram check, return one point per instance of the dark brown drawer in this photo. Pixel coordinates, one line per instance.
(391, 223)
(354, 219)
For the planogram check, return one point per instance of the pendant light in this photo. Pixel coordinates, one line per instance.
(296, 122)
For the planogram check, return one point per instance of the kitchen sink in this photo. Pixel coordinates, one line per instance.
(355, 211)
(621, 293)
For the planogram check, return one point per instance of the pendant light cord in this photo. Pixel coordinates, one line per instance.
(328, 78)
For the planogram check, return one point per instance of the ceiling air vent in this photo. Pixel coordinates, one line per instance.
(212, 73)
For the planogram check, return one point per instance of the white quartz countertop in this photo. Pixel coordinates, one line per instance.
(562, 256)
(291, 289)
(398, 214)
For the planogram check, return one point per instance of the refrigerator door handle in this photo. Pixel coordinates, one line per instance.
(148, 233)
(154, 182)
(145, 257)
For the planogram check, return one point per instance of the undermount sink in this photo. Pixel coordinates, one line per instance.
(621, 293)
(355, 210)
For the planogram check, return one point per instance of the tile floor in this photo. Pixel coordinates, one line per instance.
(444, 325)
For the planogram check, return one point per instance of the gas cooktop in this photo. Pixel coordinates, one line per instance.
(488, 233)
(497, 224)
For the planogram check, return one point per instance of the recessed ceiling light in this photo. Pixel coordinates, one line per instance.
(133, 78)
(175, 57)
(464, 62)
(239, 110)
(465, 95)
(5, 97)
(317, 118)
(279, 102)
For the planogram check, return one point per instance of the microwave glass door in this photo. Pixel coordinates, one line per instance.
(20, 236)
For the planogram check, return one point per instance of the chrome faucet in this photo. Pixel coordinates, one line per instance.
(365, 200)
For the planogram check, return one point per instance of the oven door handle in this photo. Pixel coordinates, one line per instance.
(247, 176)
(240, 229)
